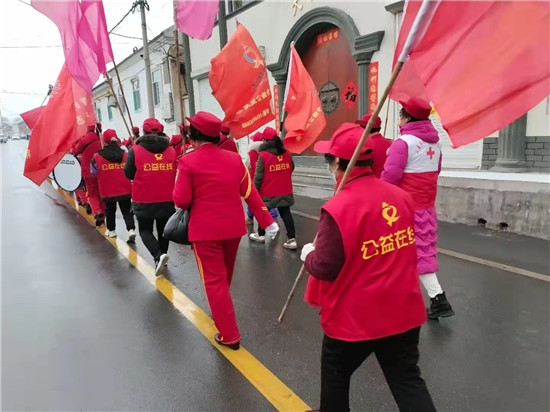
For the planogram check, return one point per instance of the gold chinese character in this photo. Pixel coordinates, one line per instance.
(410, 232)
(369, 249)
(401, 239)
(386, 243)
(336, 34)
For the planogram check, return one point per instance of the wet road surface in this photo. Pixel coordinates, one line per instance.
(83, 329)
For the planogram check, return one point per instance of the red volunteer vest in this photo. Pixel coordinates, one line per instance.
(377, 293)
(155, 175)
(177, 143)
(253, 156)
(277, 174)
(111, 178)
(228, 144)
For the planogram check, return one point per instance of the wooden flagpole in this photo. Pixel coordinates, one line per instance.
(123, 95)
(349, 169)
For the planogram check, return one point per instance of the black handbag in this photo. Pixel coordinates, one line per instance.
(177, 228)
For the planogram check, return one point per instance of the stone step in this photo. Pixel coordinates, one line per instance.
(313, 179)
(309, 161)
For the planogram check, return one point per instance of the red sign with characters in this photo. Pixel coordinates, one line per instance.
(349, 94)
(328, 36)
(276, 108)
(373, 86)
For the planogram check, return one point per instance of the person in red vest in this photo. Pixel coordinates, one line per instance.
(114, 187)
(86, 148)
(130, 141)
(151, 165)
(273, 179)
(227, 142)
(380, 144)
(363, 277)
(178, 140)
(80, 192)
(209, 180)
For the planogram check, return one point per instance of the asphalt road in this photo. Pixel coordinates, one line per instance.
(82, 329)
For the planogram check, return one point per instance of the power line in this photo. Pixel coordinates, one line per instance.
(26, 93)
(125, 36)
(132, 10)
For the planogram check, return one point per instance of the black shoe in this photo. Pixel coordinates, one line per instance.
(99, 219)
(234, 346)
(440, 307)
(88, 208)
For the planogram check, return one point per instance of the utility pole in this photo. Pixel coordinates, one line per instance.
(148, 83)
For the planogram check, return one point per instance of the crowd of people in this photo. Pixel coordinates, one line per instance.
(377, 236)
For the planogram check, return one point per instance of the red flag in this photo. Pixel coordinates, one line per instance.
(64, 118)
(239, 82)
(84, 35)
(482, 64)
(305, 119)
(196, 17)
(32, 116)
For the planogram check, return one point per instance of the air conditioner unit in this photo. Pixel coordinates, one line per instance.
(167, 107)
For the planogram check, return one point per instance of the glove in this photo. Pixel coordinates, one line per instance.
(306, 250)
(272, 230)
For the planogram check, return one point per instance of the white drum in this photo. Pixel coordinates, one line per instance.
(67, 173)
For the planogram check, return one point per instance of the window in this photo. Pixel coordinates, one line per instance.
(136, 95)
(109, 112)
(156, 87)
(234, 5)
(98, 112)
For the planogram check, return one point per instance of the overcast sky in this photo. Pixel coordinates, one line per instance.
(30, 47)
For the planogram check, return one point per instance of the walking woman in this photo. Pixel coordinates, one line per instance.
(273, 179)
(210, 183)
(413, 164)
(151, 164)
(114, 187)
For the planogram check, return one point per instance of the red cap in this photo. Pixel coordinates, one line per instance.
(206, 123)
(365, 119)
(152, 125)
(225, 128)
(109, 136)
(417, 107)
(269, 133)
(256, 137)
(135, 129)
(344, 141)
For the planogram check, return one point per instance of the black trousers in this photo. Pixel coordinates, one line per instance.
(288, 220)
(126, 210)
(155, 247)
(398, 357)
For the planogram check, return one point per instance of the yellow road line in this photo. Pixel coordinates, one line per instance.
(271, 387)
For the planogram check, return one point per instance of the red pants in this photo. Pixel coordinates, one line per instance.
(216, 261)
(81, 195)
(92, 188)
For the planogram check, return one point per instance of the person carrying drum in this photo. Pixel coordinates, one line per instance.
(114, 187)
(86, 148)
(80, 192)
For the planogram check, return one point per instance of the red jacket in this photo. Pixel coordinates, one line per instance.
(155, 175)
(380, 153)
(277, 180)
(212, 182)
(377, 292)
(111, 179)
(228, 144)
(87, 146)
(253, 156)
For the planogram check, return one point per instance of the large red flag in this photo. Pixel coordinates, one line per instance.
(239, 82)
(482, 64)
(305, 119)
(196, 17)
(63, 120)
(32, 116)
(84, 36)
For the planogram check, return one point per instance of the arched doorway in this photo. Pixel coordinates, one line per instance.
(345, 58)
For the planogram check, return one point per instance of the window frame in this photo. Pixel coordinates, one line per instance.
(136, 95)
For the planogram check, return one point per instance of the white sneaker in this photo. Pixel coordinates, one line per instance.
(111, 233)
(131, 235)
(257, 238)
(290, 244)
(161, 264)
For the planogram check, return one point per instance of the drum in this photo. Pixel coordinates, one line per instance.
(67, 173)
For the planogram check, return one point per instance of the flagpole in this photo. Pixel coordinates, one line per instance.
(123, 94)
(178, 66)
(283, 117)
(110, 81)
(349, 169)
